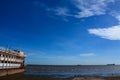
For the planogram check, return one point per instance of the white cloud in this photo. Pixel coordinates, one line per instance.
(86, 8)
(112, 33)
(91, 7)
(62, 11)
(87, 54)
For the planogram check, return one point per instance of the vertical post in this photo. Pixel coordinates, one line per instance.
(0, 61)
(3, 60)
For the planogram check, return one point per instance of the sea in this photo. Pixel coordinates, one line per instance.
(66, 71)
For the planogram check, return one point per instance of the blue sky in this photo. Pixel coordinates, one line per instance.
(66, 32)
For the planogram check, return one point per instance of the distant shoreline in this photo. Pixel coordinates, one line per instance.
(72, 65)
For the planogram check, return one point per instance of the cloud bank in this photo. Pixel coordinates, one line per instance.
(85, 8)
(89, 8)
(111, 33)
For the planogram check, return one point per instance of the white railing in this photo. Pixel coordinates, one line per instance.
(9, 65)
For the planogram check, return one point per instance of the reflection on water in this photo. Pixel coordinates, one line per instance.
(70, 71)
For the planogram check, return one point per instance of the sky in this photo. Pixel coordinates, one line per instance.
(62, 32)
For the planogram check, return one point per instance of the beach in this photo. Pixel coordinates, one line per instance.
(21, 76)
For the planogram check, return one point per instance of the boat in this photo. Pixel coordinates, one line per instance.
(110, 64)
(11, 59)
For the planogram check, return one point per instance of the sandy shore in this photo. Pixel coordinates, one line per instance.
(21, 76)
(97, 78)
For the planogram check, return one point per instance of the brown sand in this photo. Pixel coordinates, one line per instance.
(97, 78)
(88, 78)
(21, 76)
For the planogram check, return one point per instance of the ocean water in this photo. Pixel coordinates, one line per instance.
(71, 71)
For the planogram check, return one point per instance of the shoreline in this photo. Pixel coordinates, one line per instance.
(22, 76)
